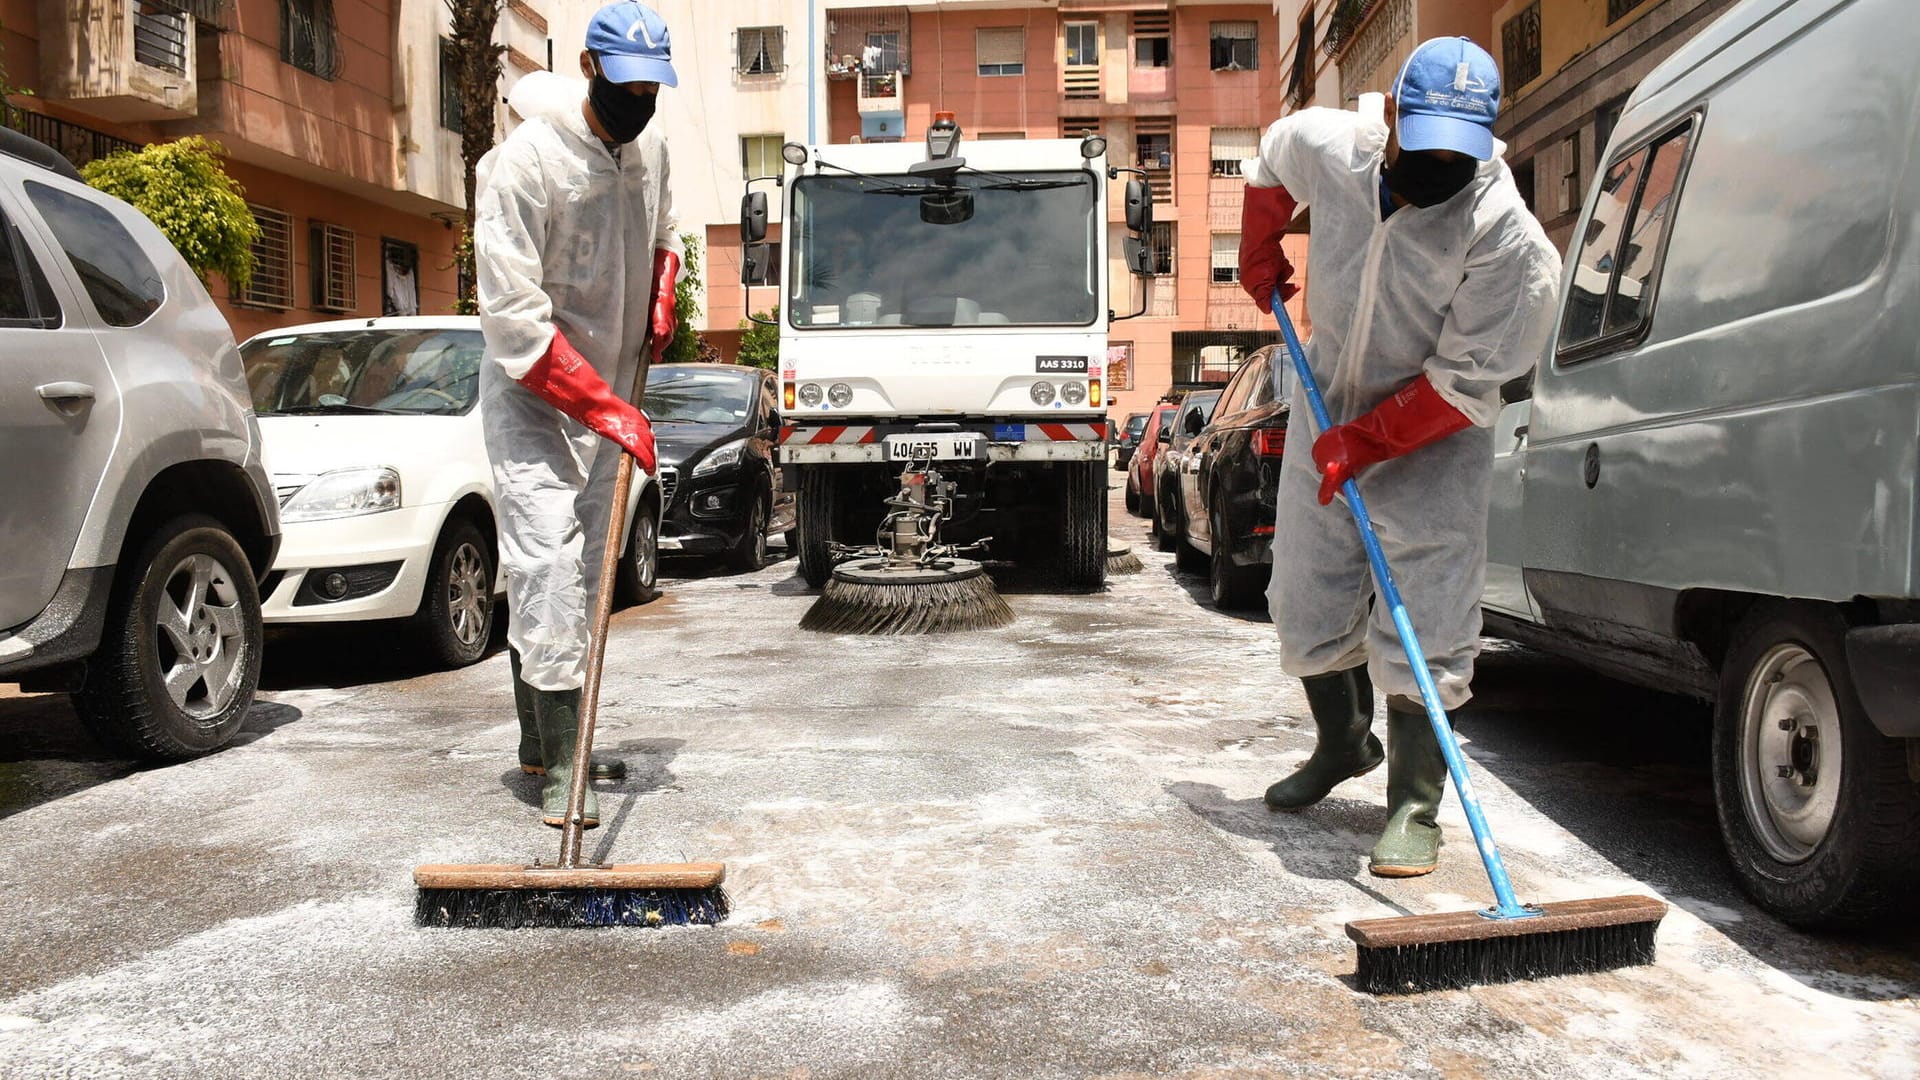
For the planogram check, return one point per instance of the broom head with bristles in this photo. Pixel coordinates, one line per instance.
(509, 897)
(1466, 948)
(871, 597)
(1122, 560)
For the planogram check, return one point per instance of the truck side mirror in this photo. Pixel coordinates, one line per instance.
(753, 262)
(753, 217)
(1139, 257)
(1139, 206)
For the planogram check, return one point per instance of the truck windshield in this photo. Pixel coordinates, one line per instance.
(863, 257)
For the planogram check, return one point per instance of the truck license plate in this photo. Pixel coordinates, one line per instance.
(959, 447)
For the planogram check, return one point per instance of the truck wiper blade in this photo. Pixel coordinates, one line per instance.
(911, 189)
(1032, 185)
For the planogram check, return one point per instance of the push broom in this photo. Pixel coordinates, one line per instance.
(1510, 940)
(573, 892)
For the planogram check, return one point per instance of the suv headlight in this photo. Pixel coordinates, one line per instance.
(345, 493)
(721, 457)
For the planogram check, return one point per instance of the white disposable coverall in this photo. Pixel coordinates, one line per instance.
(1462, 292)
(564, 237)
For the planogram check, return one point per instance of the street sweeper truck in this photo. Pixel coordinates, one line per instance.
(945, 312)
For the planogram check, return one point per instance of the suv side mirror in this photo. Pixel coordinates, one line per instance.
(753, 217)
(1139, 206)
(1195, 422)
(1166, 434)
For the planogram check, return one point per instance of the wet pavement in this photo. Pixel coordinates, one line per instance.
(1037, 851)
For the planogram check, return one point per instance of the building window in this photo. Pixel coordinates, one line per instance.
(1160, 243)
(452, 117)
(1079, 127)
(760, 156)
(1618, 8)
(272, 284)
(760, 50)
(1152, 39)
(1233, 46)
(1231, 146)
(1226, 258)
(1120, 365)
(307, 38)
(1605, 118)
(1300, 82)
(1523, 179)
(399, 277)
(1520, 46)
(330, 256)
(767, 263)
(1153, 151)
(1001, 50)
(159, 37)
(1570, 173)
(1083, 44)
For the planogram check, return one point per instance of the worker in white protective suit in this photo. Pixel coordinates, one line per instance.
(1430, 285)
(576, 258)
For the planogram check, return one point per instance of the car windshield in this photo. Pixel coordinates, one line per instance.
(1136, 423)
(682, 396)
(1014, 250)
(403, 371)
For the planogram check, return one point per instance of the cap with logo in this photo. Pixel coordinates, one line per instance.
(1447, 97)
(632, 44)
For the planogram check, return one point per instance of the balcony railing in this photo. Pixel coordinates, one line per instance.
(75, 143)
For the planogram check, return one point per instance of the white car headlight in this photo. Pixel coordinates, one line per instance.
(345, 493)
(721, 457)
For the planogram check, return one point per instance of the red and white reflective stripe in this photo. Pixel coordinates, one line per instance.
(826, 435)
(1066, 432)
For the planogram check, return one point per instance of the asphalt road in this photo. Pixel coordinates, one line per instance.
(1033, 852)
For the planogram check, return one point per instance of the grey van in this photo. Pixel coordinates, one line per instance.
(135, 516)
(1709, 484)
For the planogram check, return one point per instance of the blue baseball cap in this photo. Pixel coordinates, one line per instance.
(632, 44)
(1447, 97)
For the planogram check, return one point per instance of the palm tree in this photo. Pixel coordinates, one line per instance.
(476, 58)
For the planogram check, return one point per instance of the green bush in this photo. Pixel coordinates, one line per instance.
(181, 188)
(760, 345)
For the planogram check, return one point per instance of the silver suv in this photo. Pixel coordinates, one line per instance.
(135, 514)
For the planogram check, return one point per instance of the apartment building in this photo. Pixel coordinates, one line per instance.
(336, 116)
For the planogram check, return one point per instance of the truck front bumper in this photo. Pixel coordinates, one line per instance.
(1067, 439)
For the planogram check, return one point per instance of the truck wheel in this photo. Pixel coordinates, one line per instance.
(819, 509)
(1233, 587)
(454, 622)
(1083, 535)
(638, 575)
(180, 657)
(1818, 811)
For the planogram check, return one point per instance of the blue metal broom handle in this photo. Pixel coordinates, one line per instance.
(1506, 906)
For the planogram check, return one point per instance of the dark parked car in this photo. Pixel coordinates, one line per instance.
(1140, 473)
(1228, 489)
(1130, 430)
(716, 430)
(1175, 439)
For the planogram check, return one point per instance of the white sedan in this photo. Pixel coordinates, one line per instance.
(372, 434)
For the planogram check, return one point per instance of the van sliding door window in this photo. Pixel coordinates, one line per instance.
(1616, 270)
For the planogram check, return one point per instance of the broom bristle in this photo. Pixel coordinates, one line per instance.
(850, 607)
(1465, 948)
(1124, 561)
(567, 908)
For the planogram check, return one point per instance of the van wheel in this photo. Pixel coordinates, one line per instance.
(819, 509)
(180, 658)
(1083, 535)
(1817, 809)
(454, 623)
(639, 569)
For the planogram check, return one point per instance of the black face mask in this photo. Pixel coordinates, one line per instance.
(1425, 180)
(624, 114)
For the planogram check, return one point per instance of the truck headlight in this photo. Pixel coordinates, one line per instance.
(1042, 393)
(345, 493)
(810, 394)
(721, 457)
(1073, 393)
(839, 394)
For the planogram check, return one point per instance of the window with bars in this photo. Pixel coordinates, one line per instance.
(1570, 173)
(451, 116)
(1520, 46)
(1120, 365)
(1152, 39)
(1300, 81)
(399, 277)
(760, 156)
(308, 40)
(272, 284)
(1233, 46)
(1226, 258)
(1000, 50)
(760, 50)
(159, 37)
(1231, 146)
(330, 261)
(1618, 8)
(1160, 244)
(1083, 44)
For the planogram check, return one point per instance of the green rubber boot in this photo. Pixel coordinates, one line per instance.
(1416, 780)
(559, 715)
(1342, 703)
(532, 761)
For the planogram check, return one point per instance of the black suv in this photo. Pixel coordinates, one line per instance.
(1232, 478)
(716, 431)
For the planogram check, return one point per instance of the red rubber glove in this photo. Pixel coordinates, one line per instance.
(666, 273)
(1264, 216)
(1403, 423)
(563, 378)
